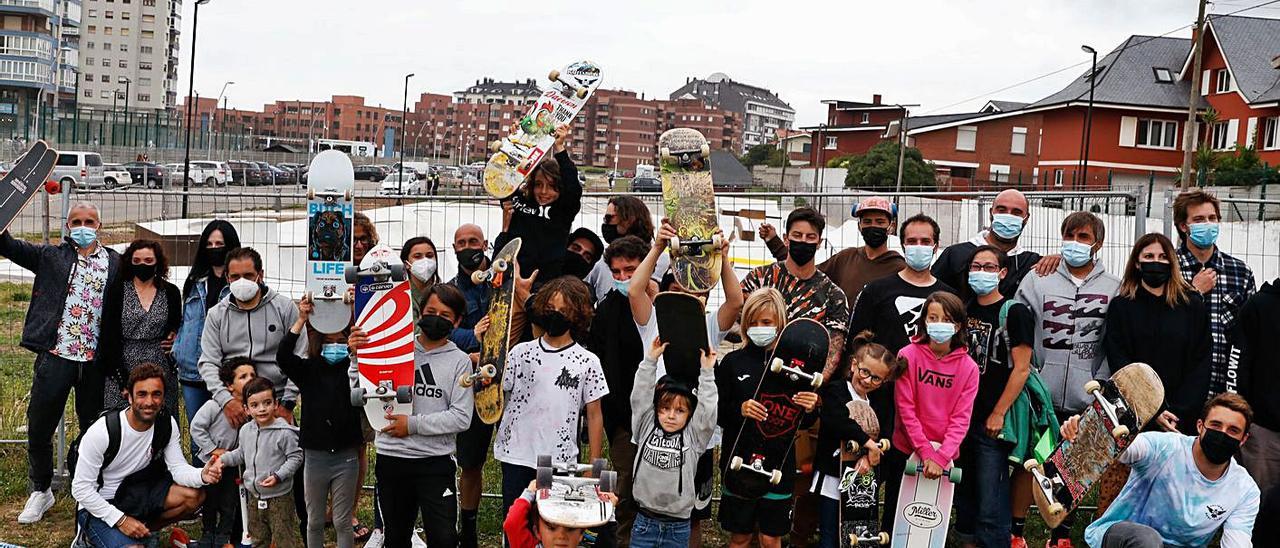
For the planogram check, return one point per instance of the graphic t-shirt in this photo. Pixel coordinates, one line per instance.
(890, 307)
(988, 349)
(546, 389)
(816, 298)
(1168, 493)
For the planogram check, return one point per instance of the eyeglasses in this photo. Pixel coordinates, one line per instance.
(871, 377)
(365, 241)
(984, 267)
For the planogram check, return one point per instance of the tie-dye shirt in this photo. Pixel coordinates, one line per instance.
(1168, 493)
(82, 315)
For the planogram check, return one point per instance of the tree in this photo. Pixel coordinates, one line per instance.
(878, 168)
(764, 154)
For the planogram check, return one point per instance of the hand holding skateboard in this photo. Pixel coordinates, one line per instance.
(657, 348)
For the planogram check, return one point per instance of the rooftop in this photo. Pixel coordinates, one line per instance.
(723, 92)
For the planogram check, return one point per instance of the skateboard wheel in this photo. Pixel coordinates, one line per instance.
(501, 265)
(775, 477)
(705, 150)
(884, 445)
(553, 75)
(775, 365)
(494, 146)
(954, 474)
(465, 381)
(913, 465)
(348, 195)
(397, 272)
(1092, 386)
(404, 394)
(544, 461)
(488, 371)
(717, 240)
(608, 481)
(357, 397)
(597, 466)
(1056, 508)
(665, 154)
(311, 194)
(1031, 465)
(884, 538)
(581, 93)
(735, 463)
(816, 381)
(480, 276)
(1120, 431)
(348, 298)
(544, 477)
(675, 244)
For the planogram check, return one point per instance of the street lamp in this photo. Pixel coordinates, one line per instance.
(1088, 117)
(404, 115)
(209, 155)
(127, 81)
(191, 84)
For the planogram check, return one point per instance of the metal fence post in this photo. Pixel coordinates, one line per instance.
(1168, 214)
(1139, 214)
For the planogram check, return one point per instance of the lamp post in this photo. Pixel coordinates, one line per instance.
(191, 84)
(1088, 117)
(902, 143)
(404, 115)
(209, 155)
(127, 81)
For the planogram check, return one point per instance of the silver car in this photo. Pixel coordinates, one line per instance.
(82, 169)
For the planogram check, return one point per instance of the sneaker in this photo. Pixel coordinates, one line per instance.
(417, 539)
(375, 539)
(1060, 543)
(1016, 541)
(37, 504)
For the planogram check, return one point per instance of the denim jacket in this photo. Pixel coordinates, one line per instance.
(186, 347)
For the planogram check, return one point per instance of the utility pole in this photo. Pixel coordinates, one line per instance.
(902, 143)
(1189, 132)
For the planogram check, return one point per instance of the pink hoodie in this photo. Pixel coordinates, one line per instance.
(935, 401)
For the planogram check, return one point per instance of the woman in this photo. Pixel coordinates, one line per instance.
(1158, 319)
(202, 289)
(624, 216)
(141, 325)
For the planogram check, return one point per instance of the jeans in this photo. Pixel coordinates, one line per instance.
(1126, 534)
(194, 397)
(828, 522)
(331, 475)
(515, 480)
(654, 533)
(982, 499)
(412, 487)
(50, 386)
(101, 535)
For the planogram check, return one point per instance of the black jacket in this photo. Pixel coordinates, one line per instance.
(616, 341)
(544, 230)
(329, 422)
(837, 427)
(1256, 334)
(952, 267)
(111, 342)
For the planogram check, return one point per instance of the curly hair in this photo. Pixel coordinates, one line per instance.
(162, 263)
(577, 300)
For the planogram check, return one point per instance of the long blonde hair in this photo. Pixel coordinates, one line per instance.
(764, 301)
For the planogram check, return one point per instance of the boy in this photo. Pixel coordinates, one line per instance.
(270, 453)
(214, 435)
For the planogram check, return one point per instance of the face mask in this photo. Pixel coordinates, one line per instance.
(1217, 446)
(1204, 235)
(244, 289)
(1155, 274)
(875, 236)
(608, 232)
(575, 265)
(434, 327)
(983, 283)
(802, 252)
(554, 323)
(941, 332)
(623, 286)
(919, 257)
(143, 272)
(217, 256)
(1076, 254)
(762, 335)
(1006, 226)
(470, 259)
(333, 352)
(423, 269)
(83, 236)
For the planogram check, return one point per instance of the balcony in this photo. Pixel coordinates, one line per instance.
(25, 73)
(26, 44)
(71, 12)
(43, 7)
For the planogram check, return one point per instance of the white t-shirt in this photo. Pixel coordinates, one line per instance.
(546, 389)
(831, 486)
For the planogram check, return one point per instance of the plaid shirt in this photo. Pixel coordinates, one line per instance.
(1234, 286)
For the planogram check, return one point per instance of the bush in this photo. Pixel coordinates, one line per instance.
(878, 168)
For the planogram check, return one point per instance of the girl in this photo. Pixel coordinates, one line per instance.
(141, 322)
(543, 211)
(870, 366)
(419, 257)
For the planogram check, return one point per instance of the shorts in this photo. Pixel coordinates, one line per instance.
(703, 487)
(742, 516)
(474, 443)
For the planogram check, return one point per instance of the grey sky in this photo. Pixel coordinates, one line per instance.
(931, 52)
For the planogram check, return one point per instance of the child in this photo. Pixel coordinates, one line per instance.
(542, 212)
(934, 397)
(331, 436)
(870, 366)
(270, 454)
(547, 383)
(670, 430)
(525, 528)
(214, 435)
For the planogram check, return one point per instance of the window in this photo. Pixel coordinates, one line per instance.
(124, 15)
(1157, 134)
(105, 94)
(966, 137)
(831, 143)
(88, 61)
(106, 62)
(1224, 81)
(145, 50)
(124, 32)
(144, 65)
(148, 18)
(144, 97)
(999, 173)
(123, 63)
(1019, 144)
(88, 93)
(1163, 75)
(121, 79)
(107, 31)
(1057, 178)
(866, 117)
(1271, 133)
(93, 13)
(148, 3)
(89, 44)
(93, 29)
(144, 82)
(110, 14)
(106, 46)
(148, 34)
(124, 47)
(88, 77)
(1220, 135)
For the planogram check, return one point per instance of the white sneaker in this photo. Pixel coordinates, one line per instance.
(37, 504)
(417, 539)
(375, 539)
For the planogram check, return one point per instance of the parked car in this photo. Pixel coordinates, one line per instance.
(203, 172)
(247, 173)
(81, 169)
(391, 186)
(646, 184)
(282, 176)
(299, 169)
(370, 173)
(115, 175)
(149, 174)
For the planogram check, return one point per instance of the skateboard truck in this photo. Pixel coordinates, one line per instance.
(1045, 484)
(796, 371)
(402, 393)
(884, 446)
(596, 467)
(482, 373)
(861, 537)
(699, 246)
(684, 157)
(494, 273)
(756, 465)
(579, 92)
(1111, 410)
(916, 466)
(329, 195)
(380, 270)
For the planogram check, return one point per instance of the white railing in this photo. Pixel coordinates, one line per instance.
(47, 5)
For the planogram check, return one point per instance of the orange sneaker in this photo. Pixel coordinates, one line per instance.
(1016, 541)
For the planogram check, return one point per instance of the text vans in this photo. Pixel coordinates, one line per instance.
(82, 169)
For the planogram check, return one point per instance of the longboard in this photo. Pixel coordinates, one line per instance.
(761, 447)
(860, 493)
(533, 136)
(384, 311)
(924, 505)
(486, 381)
(689, 202)
(567, 500)
(1121, 406)
(20, 185)
(682, 324)
(330, 214)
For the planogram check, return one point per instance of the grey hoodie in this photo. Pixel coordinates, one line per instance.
(210, 430)
(441, 408)
(266, 451)
(667, 463)
(230, 331)
(1070, 322)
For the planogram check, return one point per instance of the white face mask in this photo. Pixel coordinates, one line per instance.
(762, 335)
(244, 289)
(423, 269)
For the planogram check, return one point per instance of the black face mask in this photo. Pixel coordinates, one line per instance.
(435, 327)
(574, 265)
(801, 252)
(142, 272)
(875, 236)
(470, 258)
(1217, 446)
(1155, 274)
(554, 323)
(217, 256)
(608, 232)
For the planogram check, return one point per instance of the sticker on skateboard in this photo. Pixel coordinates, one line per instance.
(924, 505)
(860, 493)
(689, 202)
(330, 214)
(385, 312)
(486, 381)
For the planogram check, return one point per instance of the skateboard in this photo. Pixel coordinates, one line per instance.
(762, 447)
(19, 186)
(330, 214)
(682, 324)
(924, 505)
(860, 493)
(567, 500)
(689, 201)
(385, 312)
(245, 539)
(532, 136)
(486, 381)
(1121, 406)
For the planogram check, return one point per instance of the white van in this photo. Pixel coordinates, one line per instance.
(82, 169)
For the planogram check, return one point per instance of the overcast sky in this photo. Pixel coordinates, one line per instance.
(931, 52)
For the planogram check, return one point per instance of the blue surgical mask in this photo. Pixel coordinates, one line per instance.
(983, 283)
(1006, 226)
(623, 286)
(84, 236)
(762, 335)
(1204, 235)
(919, 257)
(941, 332)
(1076, 254)
(334, 352)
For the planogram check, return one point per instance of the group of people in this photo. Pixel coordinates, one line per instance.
(968, 354)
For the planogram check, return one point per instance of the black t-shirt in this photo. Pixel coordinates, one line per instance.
(987, 347)
(890, 308)
(614, 339)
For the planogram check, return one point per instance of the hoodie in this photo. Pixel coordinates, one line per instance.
(267, 451)
(663, 459)
(1256, 333)
(934, 399)
(210, 430)
(1070, 322)
(230, 331)
(441, 408)
(544, 230)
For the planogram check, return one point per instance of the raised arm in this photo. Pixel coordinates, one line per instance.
(638, 290)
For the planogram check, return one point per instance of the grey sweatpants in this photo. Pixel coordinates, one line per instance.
(333, 476)
(1127, 534)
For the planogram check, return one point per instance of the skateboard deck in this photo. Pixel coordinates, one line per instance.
(533, 136)
(689, 202)
(860, 493)
(486, 381)
(567, 500)
(1121, 406)
(245, 539)
(924, 505)
(330, 214)
(761, 447)
(682, 324)
(20, 185)
(385, 312)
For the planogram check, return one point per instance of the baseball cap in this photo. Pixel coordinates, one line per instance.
(875, 203)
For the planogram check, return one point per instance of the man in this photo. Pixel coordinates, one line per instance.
(1008, 216)
(583, 252)
(624, 216)
(128, 458)
(1224, 281)
(1183, 489)
(855, 267)
(1256, 334)
(469, 246)
(62, 328)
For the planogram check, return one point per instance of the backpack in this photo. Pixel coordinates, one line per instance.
(159, 439)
